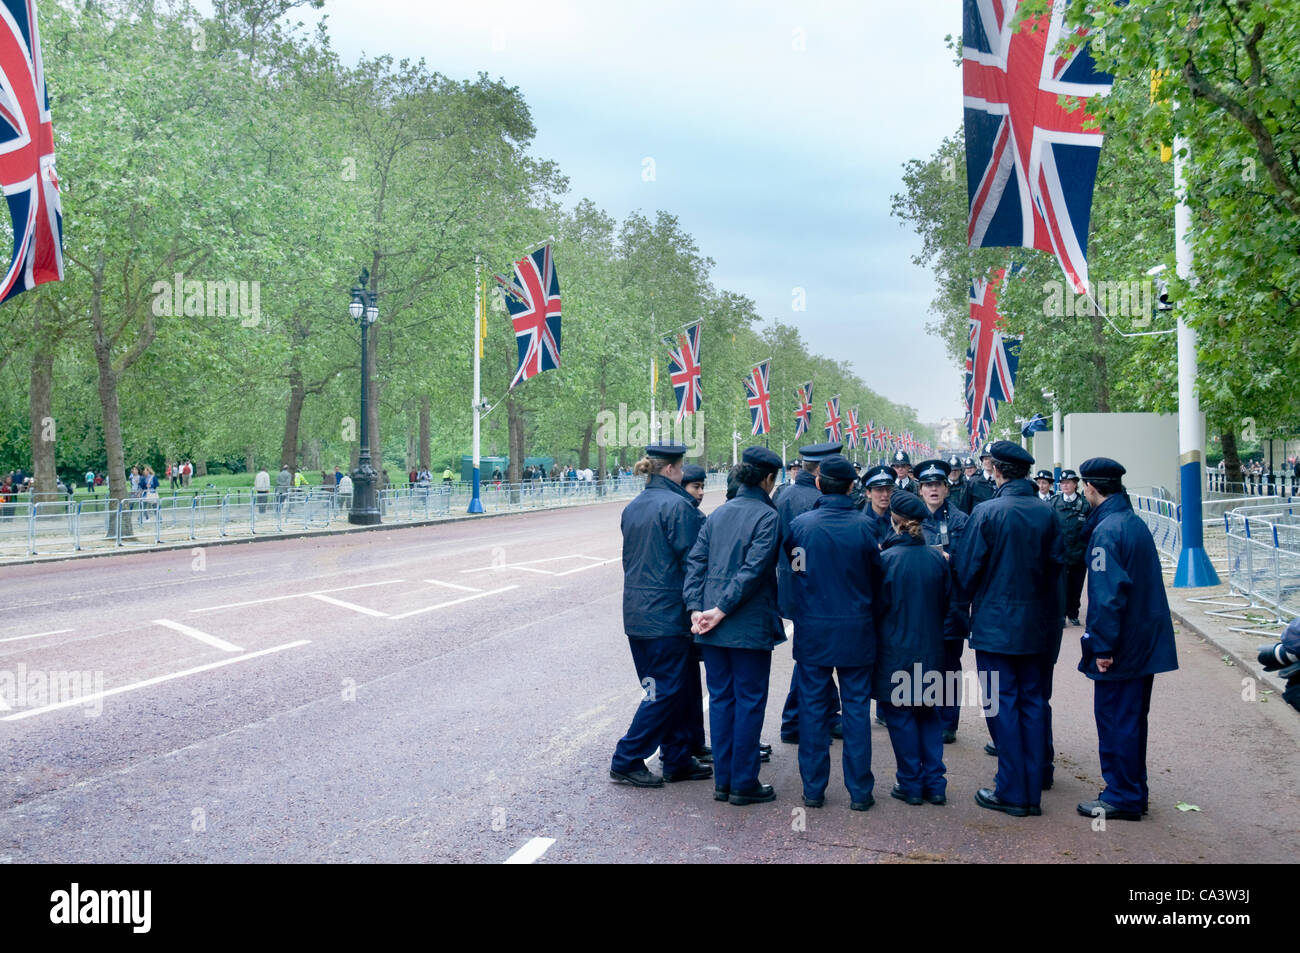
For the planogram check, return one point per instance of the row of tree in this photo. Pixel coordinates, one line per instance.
(225, 178)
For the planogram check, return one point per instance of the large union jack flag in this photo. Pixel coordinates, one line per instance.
(1030, 163)
(992, 358)
(684, 369)
(759, 398)
(31, 186)
(869, 436)
(833, 419)
(803, 411)
(851, 429)
(533, 299)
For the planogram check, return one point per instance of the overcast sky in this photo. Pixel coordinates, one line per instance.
(777, 132)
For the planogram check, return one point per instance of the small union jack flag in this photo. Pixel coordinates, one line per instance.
(869, 436)
(992, 357)
(833, 418)
(533, 299)
(851, 431)
(1030, 161)
(759, 398)
(684, 368)
(31, 186)
(803, 412)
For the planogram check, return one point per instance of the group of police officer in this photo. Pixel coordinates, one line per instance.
(885, 575)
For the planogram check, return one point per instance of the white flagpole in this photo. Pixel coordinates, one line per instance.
(475, 503)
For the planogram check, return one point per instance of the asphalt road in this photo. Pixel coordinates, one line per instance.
(454, 693)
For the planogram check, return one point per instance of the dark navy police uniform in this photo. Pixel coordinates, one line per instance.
(945, 528)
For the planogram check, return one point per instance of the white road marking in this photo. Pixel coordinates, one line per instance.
(34, 635)
(443, 605)
(348, 605)
(604, 562)
(531, 851)
(296, 595)
(532, 562)
(211, 640)
(86, 699)
(452, 585)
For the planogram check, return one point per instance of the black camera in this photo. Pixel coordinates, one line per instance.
(1283, 657)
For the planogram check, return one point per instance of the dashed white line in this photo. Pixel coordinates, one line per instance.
(86, 699)
(452, 585)
(211, 640)
(364, 610)
(531, 851)
(443, 605)
(34, 635)
(297, 595)
(603, 562)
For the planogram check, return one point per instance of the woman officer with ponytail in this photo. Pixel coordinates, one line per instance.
(730, 591)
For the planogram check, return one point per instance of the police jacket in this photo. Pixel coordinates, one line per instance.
(978, 490)
(660, 526)
(908, 484)
(733, 567)
(794, 499)
(910, 615)
(1128, 613)
(1009, 561)
(1072, 515)
(957, 493)
(881, 525)
(835, 590)
(946, 527)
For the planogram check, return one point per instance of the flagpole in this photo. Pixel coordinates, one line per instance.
(654, 377)
(475, 503)
(1194, 566)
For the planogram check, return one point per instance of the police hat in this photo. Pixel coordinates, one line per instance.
(901, 459)
(878, 476)
(968, 461)
(669, 451)
(954, 463)
(986, 451)
(1101, 468)
(1044, 475)
(762, 458)
(1069, 475)
(1004, 451)
(932, 471)
(692, 473)
(815, 453)
(908, 505)
(838, 467)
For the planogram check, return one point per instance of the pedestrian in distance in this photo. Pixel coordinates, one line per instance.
(1072, 510)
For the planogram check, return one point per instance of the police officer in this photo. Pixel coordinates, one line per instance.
(793, 500)
(730, 592)
(956, 483)
(911, 614)
(903, 472)
(944, 526)
(879, 483)
(1128, 639)
(981, 488)
(659, 528)
(1072, 510)
(693, 477)
(836, 579)
(1008, 563)
(1045, 482)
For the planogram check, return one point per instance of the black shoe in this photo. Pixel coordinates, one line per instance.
(934, 798)
(764, 756)
(814, 802)
(694, 771)
(1035, 810)
(862, 805)
(721, 794)
(759, 795)
(1100, 808)
(703, 754)
(1074, 620)
(1047, 785)
(764, 749)
(990, 748)
(837, 730)
(949, 737)
(985, 797)
(640, 778)
(913, 799)
(787, 739)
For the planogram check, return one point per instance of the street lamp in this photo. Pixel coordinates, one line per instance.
(364, 311)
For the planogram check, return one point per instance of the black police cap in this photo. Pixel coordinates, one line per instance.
(1069, 475)
(878, 476)
(692, 473)
(1044, 475)
(762, 458)
(986, 451)
(668, 451)
(815, 453)
(954, 463)
(901, 459)
(908, 505)
(932, 471)
(838, 467)
(968, 461)
(1004, 451)
(1101, 468)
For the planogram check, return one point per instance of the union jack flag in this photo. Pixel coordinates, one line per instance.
(759, 398)
(1013, 82)
(869, 436)
(803, 414)
(31, 186)
(533, 299)
(833, 418)
(851, 430)
(992, 358)
(684, 368)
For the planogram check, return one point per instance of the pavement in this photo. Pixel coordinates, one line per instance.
(454, 692)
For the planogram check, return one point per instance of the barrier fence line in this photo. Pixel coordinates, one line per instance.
(67, 526)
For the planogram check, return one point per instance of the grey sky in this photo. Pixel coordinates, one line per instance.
(777, 131)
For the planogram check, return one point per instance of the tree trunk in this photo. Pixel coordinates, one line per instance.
(110, 410)
(515, 418)
(292, 418)
(43, 427)
(584, 452)
(410, 448)
(424, 433)
(249, 464)
(1231, 461)
(1102, 391)
(201, 468)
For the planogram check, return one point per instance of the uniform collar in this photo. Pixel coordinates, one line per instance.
(833, 501)
(902, 539)
(752, 493)
(661, 482)
(804, 478)
(1017, 488)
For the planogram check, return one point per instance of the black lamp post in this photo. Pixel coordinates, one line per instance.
(365, 509)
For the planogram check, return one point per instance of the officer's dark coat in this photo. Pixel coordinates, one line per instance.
(1128, 613)
(1009, 561)
(957, 493)
(660, 526)
(881, 525)
(957, 625)
(733, 567)
(978, 490)
(909, 484)
(910, 615)
(794, 499)
(1072, 517)
(833, 597)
